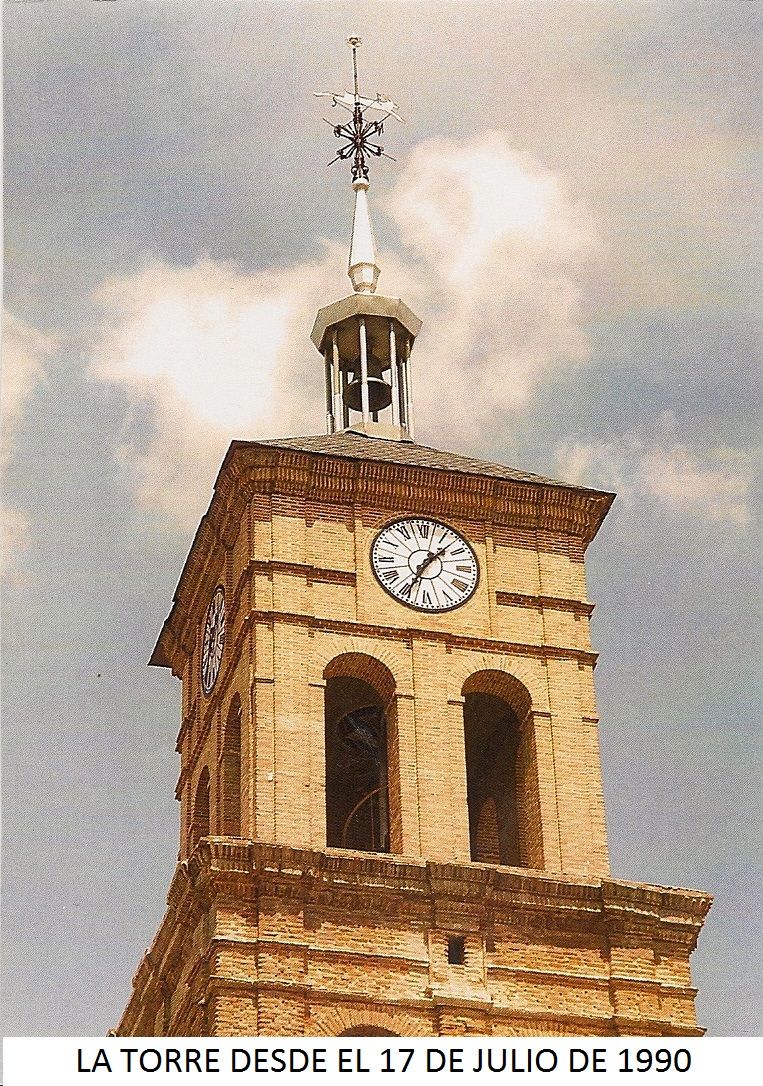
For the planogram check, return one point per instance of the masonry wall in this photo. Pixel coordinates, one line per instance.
(271, 933)
(290, 943)
(300, 591)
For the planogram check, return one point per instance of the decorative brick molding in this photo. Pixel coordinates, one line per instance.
(333, 1021)
(517, 599)
(563, 941)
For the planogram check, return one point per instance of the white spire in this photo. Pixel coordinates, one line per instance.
(362, 267)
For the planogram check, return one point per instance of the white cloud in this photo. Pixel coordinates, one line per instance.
(499, 251)
(26, 353)
(712, 483)
(464, 206)
(214, 354)
(493, 255)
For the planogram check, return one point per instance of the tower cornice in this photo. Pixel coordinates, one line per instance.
(405, 480)
(462, 897)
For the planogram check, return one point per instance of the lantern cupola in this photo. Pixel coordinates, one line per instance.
(366, 339)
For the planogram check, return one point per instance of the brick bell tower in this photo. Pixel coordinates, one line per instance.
(391, 803)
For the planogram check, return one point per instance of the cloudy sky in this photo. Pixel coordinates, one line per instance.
(571, 213)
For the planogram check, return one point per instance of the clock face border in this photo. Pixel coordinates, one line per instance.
(219, 591)
(441, 524)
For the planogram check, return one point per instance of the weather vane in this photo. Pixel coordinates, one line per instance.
(359, 132)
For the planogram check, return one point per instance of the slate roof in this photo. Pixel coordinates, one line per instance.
(360, 447)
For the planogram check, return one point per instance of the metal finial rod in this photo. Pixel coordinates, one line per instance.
(358, 133)
(354, 42)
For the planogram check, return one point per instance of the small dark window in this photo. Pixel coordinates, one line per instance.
(456, 950)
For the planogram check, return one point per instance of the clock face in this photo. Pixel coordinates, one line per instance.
(424, 564)
(214, 640)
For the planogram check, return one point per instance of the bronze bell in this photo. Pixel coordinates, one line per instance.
(379, 392)
(379, 395)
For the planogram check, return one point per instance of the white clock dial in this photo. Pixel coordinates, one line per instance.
(424, 564)
(214, 640)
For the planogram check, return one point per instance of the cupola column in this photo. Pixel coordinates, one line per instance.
(364, 396)
(394, 375)
(336, 384)
(330, 421)
(408, 397)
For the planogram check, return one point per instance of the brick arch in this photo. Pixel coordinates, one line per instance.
(510, 754)
(336, 645)
(360, 665)
(227, 722)
(354, 778)
(502, 685)
(512, 668)
(338, 1021)
(235, 700)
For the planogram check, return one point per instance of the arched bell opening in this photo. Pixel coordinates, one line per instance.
(231, 771)
(357, 763)
(501, 772)
(491, 737)
(200, 820)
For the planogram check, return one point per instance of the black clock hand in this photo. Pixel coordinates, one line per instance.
(430, 558)
(423, 565)
(419, 570)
